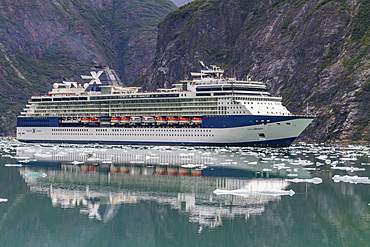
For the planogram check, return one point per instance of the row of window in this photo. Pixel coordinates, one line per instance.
(128, 101)
(38, 125)
(133, 129)
(69, 130)
(33, 120)
(135, 134)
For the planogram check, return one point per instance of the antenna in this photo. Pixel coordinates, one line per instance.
(203, 65)
(307, 108)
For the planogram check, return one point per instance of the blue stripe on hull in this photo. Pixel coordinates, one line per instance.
(37, 122)
(272, 143)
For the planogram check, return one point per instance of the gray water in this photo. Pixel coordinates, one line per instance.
(91, 195)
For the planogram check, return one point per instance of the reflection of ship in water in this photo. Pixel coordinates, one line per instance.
(219, 159)
(182, 178)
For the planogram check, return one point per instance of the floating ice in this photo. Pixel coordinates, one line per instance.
(10, 165)
(319, 164)
(309, 168)
(35, 175)
(278, 192)
(348, 159)
(345, 168)
(292, 175)
(3, 200)
(314, 180)
(322, 157)
(240, 192)
(351, 179)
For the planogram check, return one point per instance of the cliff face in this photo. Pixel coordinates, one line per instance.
(42, 42)
(313, 53)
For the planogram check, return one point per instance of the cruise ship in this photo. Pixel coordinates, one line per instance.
(210, 109)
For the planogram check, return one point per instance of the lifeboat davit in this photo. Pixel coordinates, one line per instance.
(125, 120)
(161, 120)
(135, 120)
(85, 120)
(148, 119)
(197, 120)
(173, 120)
(184, 120)
(115, 120)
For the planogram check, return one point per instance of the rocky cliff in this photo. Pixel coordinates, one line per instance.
(313, 53)
(42, 42)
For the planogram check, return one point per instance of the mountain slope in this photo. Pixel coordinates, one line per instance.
(313, 53)
(45, 41)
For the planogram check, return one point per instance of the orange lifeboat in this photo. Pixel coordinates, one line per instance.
(184, 120)
(161, 120)
(171, 171)
(85, 168)
(85, 120)
(183, 172)
(173, 120)
(196, 172)
(124, 169)
(94, 120)
(197, 120)
(125, 120)
(115, 120)
(113, 169)
(160, 170)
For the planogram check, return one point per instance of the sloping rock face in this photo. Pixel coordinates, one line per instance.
(42, 42)
(313, 53)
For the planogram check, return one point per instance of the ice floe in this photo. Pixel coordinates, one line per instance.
(10, 165)
(350, 169)
(314, 180)
(277, 192)
(3, 200)
(35, 175)
(240, 192)
(351, 179)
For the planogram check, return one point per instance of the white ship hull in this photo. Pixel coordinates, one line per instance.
(256, 135)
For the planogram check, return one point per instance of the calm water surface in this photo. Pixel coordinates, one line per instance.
(90, 195)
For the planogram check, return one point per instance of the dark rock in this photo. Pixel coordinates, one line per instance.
(304, 50)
